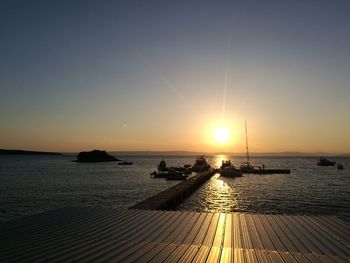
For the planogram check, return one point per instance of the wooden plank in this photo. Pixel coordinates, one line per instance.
(316, 245)
(246, 239)
(56, 243)
(202, 254)
(203, 230)
(175, 255)
(297, 238)
(180, 250)
(238, 255)
(189, 239)
(220, 231)
(267, 243)
(332, 229)
(253, 233)
(110, 254)
(153, 234)
(279, 230)
(210, 235)
(163, 233)
(262, 256)
(214, 254)
(208, 240)
(181, 234)
(89, 247)
(177, 238)
(276, 241)
(109, 249)
(237, 233)
(226, 255)
(250, 256)
(228, 232)
(47, 234)
(336, 247)
(190, 254)
(309, 241)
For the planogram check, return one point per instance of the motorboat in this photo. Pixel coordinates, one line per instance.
(165, 174)
(325, 162)
(340, 166)
(228, 170)
(176, 176)
(125, 163)
(201, 164)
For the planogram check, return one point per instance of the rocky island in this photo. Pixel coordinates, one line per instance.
(95, 156)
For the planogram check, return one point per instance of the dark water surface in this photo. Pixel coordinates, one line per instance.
(33, 184)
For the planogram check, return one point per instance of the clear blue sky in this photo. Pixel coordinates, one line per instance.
(159, 75)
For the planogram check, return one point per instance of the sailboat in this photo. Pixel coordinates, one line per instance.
(248, 168)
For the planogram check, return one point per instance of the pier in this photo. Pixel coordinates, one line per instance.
(130, 235)
(170, 198)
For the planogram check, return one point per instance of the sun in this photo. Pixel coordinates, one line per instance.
(221, 135)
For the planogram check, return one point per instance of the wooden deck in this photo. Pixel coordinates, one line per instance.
(97, 235)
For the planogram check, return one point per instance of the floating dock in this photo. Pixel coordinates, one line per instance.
(170, 198)
(97, 235)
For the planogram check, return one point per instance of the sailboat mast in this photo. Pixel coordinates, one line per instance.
(246, 141)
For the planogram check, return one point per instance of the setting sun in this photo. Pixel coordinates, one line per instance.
(221, 135)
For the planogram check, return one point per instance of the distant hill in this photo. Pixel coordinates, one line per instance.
(23, 152)
(242, 154)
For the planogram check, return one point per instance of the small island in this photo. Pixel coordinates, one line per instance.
(95, 156)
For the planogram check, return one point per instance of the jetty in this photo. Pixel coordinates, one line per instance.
(170, 198)
(76, 234)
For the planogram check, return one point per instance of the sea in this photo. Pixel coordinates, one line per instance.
(31, 184)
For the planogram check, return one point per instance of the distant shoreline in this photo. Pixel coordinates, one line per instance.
(23, 152)
(183, 153)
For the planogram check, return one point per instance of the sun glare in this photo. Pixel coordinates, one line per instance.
(221, 135)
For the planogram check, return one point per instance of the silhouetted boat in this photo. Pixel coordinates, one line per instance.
(162, 166)
(248, 168)
(167, 174)
(125, 163)
(325, 162)
(201, 164)
(176, 176)
(228, 170)
(340, 166)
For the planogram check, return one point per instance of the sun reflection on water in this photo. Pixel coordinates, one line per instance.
(220, 196)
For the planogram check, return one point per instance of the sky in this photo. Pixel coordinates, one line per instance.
(162, 75)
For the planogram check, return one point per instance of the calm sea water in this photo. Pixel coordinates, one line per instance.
(33, 184)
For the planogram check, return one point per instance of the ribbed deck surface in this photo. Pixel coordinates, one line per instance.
(96, 235)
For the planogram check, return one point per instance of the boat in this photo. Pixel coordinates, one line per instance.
(125, 163)
(165, 174)
(162, 166)
(176, 176)
(340, 166)
(325, 162)
(248, 168)
(228, 170)
(171, 173)
(201, 164)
